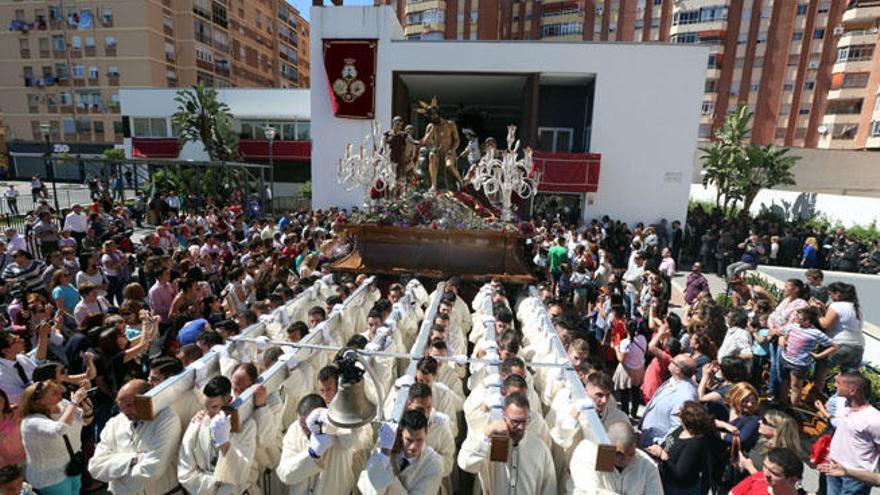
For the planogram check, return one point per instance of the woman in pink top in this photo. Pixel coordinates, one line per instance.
(11, 448)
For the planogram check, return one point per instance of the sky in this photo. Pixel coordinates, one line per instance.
(305, 5)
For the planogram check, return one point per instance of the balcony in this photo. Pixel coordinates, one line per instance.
(852, 66)
(40, 82)
(862, 12)
(169, 31)
(110, 51)
(201, 64)
(113, 79)
(90, 51)
(75, 53)
(846, 93)
(45, 53)
(24, 53)
(860, 37)
(107, 21)
(58, 53)
(93, 81)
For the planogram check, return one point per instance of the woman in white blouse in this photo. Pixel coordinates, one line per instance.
(50, 424)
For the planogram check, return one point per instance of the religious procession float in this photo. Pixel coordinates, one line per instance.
(410, 225)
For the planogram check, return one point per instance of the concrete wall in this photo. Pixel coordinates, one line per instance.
(646, 107)
(834, 172)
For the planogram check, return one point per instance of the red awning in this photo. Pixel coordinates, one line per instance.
(154, 147)
(567, 172)
(281, 150)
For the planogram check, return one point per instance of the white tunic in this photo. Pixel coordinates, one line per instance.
(229, 476)
(529, 466)
(153, 443)
(419, 478)
(330, 475)
(639, 478)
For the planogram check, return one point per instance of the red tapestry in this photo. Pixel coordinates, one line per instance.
(567, 172)
(351, 77)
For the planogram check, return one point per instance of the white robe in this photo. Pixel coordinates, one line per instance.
(639, 478)
(330, 475)
(154, 443)
(420, 478)
(269, 437)
(441, 440)
(194, 469)
(186, 406)
(530, 462)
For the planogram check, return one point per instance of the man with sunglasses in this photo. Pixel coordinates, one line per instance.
(529, 466)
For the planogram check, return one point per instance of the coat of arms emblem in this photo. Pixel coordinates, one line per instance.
(348, 86)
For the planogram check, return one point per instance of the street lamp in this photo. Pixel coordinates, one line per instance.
(46, 130)
(269, 131)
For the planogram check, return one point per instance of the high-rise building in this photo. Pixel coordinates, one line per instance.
(780, 57)
(852, 114)
(63, 61)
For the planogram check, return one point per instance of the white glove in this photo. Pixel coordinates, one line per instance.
(382, 332)
(494, 399)
(289, 359)
(262, 342)
(493, 380)
(404, 381)
(317, 418)
(325, 332)
(320, 443)
(387, 435)
(372, 347)
(221, 429)
(584, 405)
(459, 359)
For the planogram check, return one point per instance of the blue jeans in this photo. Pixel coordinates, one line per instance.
(845, 485)
(70, 486)
(775, 379)
(629, 301)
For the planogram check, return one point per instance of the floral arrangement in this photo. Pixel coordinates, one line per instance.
(446, 211)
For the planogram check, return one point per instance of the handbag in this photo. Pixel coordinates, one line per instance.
(732, 474)
(77, 464)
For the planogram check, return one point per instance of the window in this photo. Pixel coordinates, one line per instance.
(762, 37)
(797, 36)
(99, 129)
(809, 85)
(76, 43)
(65, 98)
(684, 38)
(474, 15)
(784, 109)
(855, 53)
(90, 42)
(93, 72)
(107, 15)
(855, 80)
(824, 7)
(303, 131)
(707, 108)
(83, 125)
(167, 22)
(788, 86)
(844, 131)
(844, 107)
(149, 127)
(804, 111)
(705, 131)
(802, 9)
(555, 138)
(704, 14)
(78, 71)
(818, 34)
(875, 128)
(711, 86)
(69, 126)
(58, 43)
(113, 71)
(562, 29)
(713, 61)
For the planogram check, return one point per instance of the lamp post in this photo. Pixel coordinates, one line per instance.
(269, 131)
(46, 130)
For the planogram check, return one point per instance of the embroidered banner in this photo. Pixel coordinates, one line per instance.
(351, 77)
(567, 172)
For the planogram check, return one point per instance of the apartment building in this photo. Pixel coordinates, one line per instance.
(781, 57)
(62, 62)
(852, 115)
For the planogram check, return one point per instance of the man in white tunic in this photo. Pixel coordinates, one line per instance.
(634, 471)
(529, 466)
(316, 458)
(405, 465)
(513, 384)
(137, 457)
(267, 416)
(213, 460)
(439, 432)
(188, 403)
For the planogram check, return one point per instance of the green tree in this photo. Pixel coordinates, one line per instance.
(739, 170)
(202, 118)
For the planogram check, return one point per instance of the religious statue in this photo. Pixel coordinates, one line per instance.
(441, 139)
(471, 152)
(397, 142)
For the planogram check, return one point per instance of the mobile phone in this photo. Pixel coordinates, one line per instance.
(92, 393)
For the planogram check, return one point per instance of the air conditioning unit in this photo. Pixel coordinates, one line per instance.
(814, 64)
(838, 31)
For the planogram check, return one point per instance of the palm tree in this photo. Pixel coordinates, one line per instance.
(202, 118)
(723, 160)
(768, 167)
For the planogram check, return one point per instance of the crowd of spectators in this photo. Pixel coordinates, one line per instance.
(693, 398)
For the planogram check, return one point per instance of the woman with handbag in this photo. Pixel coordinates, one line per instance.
(688, 451)
(50, 431)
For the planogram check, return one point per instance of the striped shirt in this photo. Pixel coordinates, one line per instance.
(31, 275)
